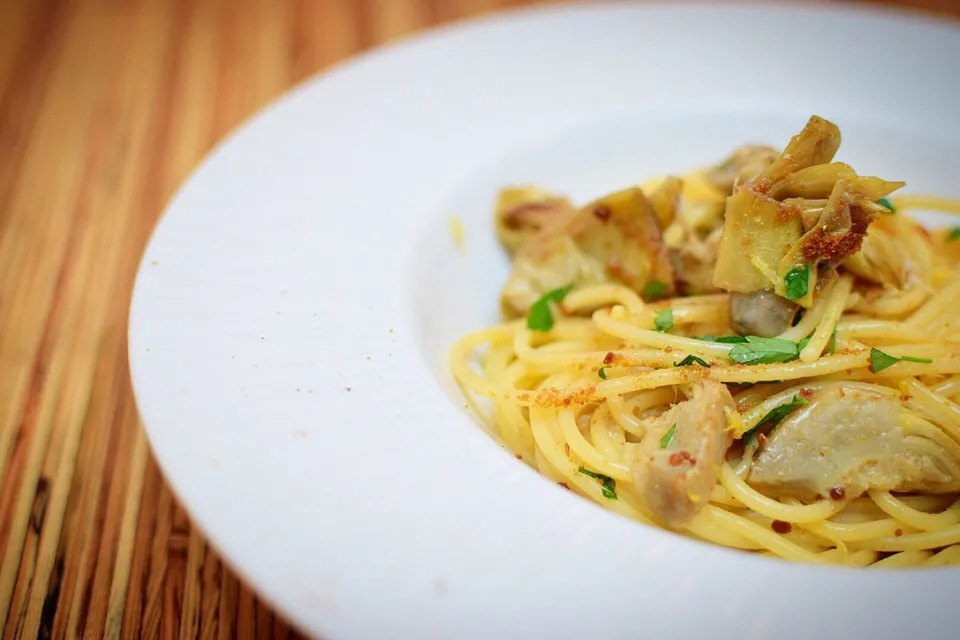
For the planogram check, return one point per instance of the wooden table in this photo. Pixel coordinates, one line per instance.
(105, 107)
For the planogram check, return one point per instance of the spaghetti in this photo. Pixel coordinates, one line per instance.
(654, 398)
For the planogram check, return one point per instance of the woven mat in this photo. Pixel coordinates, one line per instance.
(105, 107)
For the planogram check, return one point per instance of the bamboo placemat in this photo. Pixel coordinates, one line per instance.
(105, 107)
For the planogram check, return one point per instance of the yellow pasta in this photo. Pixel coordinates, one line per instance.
(586, 400)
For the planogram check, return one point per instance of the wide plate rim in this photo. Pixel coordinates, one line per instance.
(139, 368)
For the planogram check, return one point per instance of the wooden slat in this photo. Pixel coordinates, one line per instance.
(105, 107)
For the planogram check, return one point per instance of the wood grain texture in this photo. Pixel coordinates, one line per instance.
(105, 107)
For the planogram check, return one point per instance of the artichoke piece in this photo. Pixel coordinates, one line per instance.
(761, 313)
(523, 212)
(816, 144)
(546, 263)
(814, 182)
(886, 259)
(843, 223)
(693, 234)
(694, 261)
(869, 189)
(801, 212)
(614, 239)
(676, 465)
(665, 200)
(852, 440)
(756, 235)
(808, 210)
(622, 231)
(743, 165)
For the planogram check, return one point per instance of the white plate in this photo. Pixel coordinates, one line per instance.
(293, 308)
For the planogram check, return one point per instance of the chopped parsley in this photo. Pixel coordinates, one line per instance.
(757, 350)
(690, 359)
(797, 282)
(668, 436)
(954, 233)
(602, 372)
(884, 202)
(832, 346)
(760, 350)
(541, 313)
(607, 484)
(654, 289)
(775, 415)
(880, 360)
(664, 319)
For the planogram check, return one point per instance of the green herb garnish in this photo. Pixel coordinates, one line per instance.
(664, 319)
(832, 346)
(759, 350)
(883, 202)
(797, 282)
(607, 484)
(775, 415)
(602, 372)
(668, 436)
(654, 289)
(541, 313)
(880, 360)
(690, 359)
(954, 233)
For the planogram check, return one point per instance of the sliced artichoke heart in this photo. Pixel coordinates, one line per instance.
(803, 214)
(755, 238)
(523, 212)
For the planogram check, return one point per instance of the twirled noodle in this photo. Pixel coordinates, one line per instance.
(583, 400)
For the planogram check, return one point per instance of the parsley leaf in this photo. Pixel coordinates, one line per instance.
(541, 315)
(724, 339)
(884, 202)
(668, 436)
(608, 484)
(602, 372)
(880, 360)
(797, 282)
(759, 350)
(954, 233)
(775, 415)
(832, 346)
(664, 319)
(690, 359)
(654, 289)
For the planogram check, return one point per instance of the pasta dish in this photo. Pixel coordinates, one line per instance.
(763, 354)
